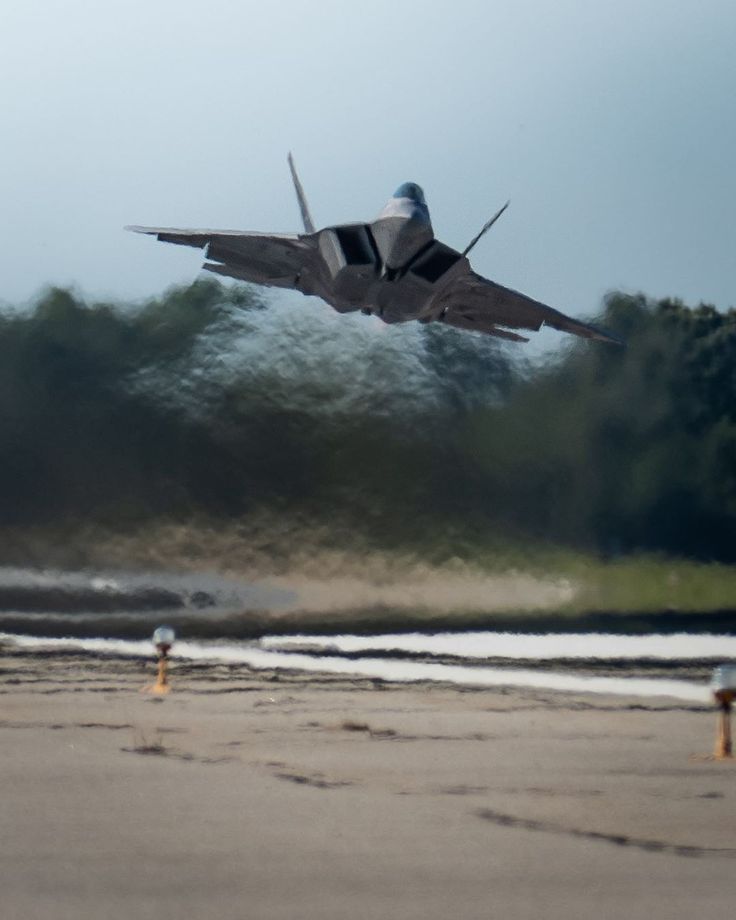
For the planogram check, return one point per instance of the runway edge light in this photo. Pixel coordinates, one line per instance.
(723, 685)
(163, 638)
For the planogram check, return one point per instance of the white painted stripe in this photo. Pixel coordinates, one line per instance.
(395, 671)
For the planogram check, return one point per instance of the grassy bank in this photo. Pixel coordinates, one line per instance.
(337, 578)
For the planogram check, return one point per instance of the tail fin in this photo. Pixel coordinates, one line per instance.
(303, 207)
(486, 227)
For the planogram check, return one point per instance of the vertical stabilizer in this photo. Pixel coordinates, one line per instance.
(303, 206)
(486, 227)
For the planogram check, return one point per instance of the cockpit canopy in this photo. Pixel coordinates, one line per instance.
(410, 190)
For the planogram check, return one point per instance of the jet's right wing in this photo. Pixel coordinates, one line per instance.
(273, 259)
(475, 303)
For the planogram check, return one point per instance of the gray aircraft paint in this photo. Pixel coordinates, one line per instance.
(393, 268)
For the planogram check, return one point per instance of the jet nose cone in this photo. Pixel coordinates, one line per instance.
(412, 191)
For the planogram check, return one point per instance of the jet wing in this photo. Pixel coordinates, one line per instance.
(475, 303)
(274, 259)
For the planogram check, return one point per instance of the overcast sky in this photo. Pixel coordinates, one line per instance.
(611, 126)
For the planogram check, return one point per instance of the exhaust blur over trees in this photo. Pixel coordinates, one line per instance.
(208, 402)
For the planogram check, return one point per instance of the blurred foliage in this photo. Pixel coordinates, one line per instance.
(623, 449)
(204, 402)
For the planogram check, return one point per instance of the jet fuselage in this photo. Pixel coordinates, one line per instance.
(393, 267)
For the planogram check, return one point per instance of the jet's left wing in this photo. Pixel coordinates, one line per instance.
(273, 259)
(475, 303)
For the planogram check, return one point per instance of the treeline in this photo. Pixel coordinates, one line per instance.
(208, 402)
(622, 450)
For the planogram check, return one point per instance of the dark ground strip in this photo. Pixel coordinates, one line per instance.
(134, 620)
(64, 725)
(316, 781)
(621, 840)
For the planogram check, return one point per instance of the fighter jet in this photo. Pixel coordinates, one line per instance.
(393, 268)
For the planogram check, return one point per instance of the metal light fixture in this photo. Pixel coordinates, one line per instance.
(163, 638)
(723, 685)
